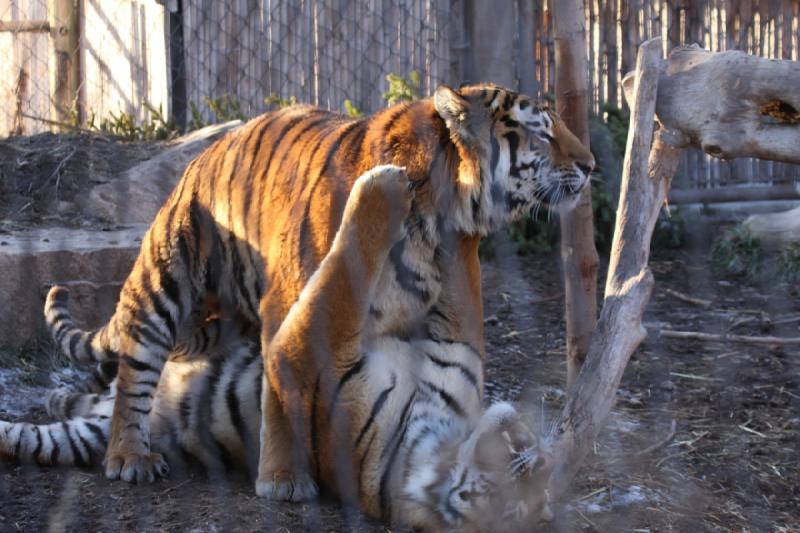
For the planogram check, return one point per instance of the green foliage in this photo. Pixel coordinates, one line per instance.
(670, 231)
(124, 125)
(789, 263)
(275, 101)
(534, 235)
(402, 89)
(737, 253)
(617, 121)
(351, 109)
(224, 108)
(604, 214)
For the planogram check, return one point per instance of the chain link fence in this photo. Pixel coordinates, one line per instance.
(150, 66)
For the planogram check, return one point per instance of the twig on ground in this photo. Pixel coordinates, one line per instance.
(689, 299)
(661, 443)
(712, 337)
(57, 171)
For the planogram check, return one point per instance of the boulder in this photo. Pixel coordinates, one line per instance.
(137, 195)
(93, 263)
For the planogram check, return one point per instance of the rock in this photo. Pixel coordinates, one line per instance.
(776, 230)
(92, 263)
(491, 320)
(137, 195)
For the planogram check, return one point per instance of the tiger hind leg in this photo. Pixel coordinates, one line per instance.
(319, 338)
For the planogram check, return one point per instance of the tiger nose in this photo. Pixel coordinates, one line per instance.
(585, 168)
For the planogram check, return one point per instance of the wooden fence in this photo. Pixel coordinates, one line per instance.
(68, 60)
(177, 55)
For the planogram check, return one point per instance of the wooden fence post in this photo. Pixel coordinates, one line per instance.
(65, 64)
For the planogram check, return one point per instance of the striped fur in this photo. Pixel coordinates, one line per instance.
(249, 224)
(207, 412)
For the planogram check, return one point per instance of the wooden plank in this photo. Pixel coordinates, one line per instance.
(25, 26)
(66, 74)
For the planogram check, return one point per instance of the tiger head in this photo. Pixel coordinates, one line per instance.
(515, 155)
(499, 474)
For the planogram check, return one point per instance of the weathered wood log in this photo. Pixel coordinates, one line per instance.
(775, 230)
(645, 182)
(731, 104)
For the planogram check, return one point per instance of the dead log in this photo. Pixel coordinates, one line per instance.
(645, 182)
(776, 230)
(731, 104)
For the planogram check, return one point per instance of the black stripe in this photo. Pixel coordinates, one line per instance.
(448, 504)
(357, 367)
(224, 454)
(358, 143)
(98, 433)
(139, 410)
(87, 343)
(399, 111)
(18, 446)
(76, 453)
(380, 401)
(406, 277)
(397, 438)
(139, 366)
(136, 394)
(468, 374)
(87, 446)
(185, 411)
(508, 101)
(495, 159)
(440, 340)
(337, 143)
(61, 330)
(69, 404)
(163, 312)
(513, 146)
(235, 413)
(56, 451)
(73, 342)
(154, 337)
(38, 449)
(363, 460)
(447, 398)
(60, 316)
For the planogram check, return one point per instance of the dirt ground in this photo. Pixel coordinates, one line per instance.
(732, 464)
(42, 177)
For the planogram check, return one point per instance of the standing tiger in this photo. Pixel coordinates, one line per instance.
(453, 466)
(248, 226)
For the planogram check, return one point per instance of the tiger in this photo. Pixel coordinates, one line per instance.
(454, 466)
(251, 220)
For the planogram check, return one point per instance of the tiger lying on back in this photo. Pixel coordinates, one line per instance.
(434, 458)
(250, 222)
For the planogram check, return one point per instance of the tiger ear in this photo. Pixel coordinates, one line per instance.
(451, 106)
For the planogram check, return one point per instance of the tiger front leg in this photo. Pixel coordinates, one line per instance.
(128, 456)
(320, 337)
